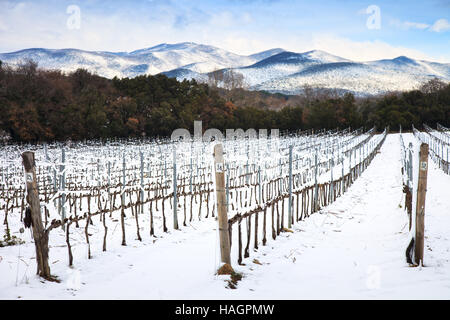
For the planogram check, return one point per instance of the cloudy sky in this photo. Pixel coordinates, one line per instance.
(358, 30)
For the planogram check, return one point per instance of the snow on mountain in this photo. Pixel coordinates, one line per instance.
(284, 64)
(187, 74)
(68, 60)
(274, 70)
(359, 78)
(161, 58)
(266, 54)
(377, 77)
(289, 72)
(106, 64)
(197, 57)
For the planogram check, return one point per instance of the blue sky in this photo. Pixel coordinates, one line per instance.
(419, 29)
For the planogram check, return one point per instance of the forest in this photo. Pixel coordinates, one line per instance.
(40, 105)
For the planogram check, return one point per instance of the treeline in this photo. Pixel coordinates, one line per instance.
(38, 105)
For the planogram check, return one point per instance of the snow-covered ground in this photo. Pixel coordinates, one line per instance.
(354, 248)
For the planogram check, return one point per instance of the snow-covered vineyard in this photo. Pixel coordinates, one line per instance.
(311, 215)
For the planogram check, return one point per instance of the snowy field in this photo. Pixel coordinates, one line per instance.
(353, 248)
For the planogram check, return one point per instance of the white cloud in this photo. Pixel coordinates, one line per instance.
(440, 25)
(24, 26)
(363, 50)
(415, 25)
(340, 46)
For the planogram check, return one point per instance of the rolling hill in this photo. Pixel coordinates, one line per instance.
(274, 70)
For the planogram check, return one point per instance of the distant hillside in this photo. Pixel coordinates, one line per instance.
(274, 70)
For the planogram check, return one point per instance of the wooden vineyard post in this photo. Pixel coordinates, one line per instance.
(259, 187)
(221, 204)
(63, 187)
(141, 192)
(175, 200)
(316, 187)
(331, 181)
(290, 188)
(420, 206)
(227, 187)
(190, 173)
(122, 197)
(409, 193)
(39, 234)
(350, 168)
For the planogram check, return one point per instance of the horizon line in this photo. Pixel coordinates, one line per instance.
(201, 44)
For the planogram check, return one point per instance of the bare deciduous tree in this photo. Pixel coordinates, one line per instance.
(432, 86)
(233, 80)
(215, 77)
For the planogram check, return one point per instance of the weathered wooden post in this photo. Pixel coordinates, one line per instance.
(63, 187)
(259, 186)
(342, 174)
(175, 200)
(420, 206)
(316, 186)
(47, 158)
(360, 160)
(350, 166)
(165, 168)
(247, 165)
(447, 171)
(290, 188)
(190, 173)
(39, 234)
(141, 154)
(281, 176)
(409, 171)
(55, 189)
(122, 201)
(227, 188)
(332, 181)
(221, 204)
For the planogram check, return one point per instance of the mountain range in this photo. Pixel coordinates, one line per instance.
(274, 70)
